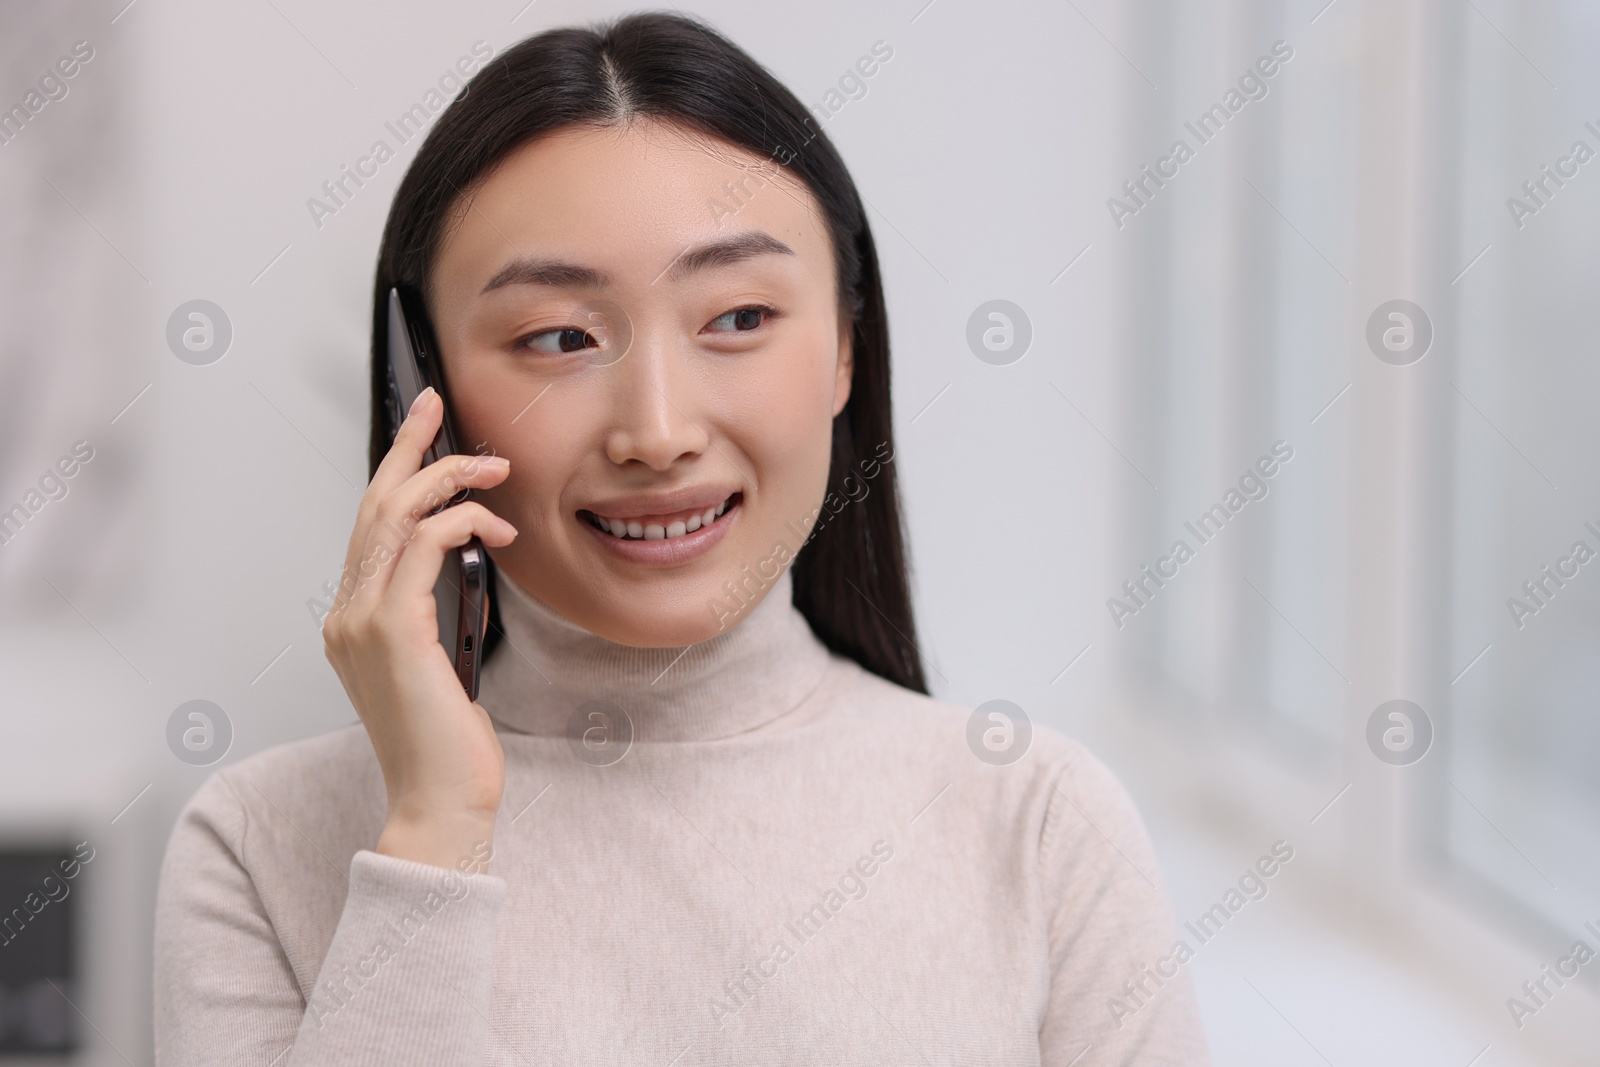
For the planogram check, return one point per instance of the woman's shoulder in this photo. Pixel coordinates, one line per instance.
(997, 732)
(310, 792)
(254, 874)
(1002, 754)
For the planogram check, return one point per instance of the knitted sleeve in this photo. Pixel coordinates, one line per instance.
(1119, 991)
(406, 979)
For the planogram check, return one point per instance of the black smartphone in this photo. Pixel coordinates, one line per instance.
(462, 591)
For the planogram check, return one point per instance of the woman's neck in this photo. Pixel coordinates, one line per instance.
(550, 673)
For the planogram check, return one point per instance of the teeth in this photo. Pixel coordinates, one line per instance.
(655, 531)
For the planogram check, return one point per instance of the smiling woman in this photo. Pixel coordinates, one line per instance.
(718, 411)
(666, 794)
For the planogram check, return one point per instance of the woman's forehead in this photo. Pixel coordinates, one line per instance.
(634, 198)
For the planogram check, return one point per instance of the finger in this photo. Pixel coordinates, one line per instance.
(416, 433)
(397, 517)
(419, 565)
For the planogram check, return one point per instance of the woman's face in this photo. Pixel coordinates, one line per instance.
(647, 326)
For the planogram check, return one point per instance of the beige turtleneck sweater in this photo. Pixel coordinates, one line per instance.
(794, 861)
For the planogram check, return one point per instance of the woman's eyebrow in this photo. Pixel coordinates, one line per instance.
(745, 244)
(538, 270)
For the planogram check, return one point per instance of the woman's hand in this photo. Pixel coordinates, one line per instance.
(442, 763)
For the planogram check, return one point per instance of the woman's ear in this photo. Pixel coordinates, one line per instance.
(845, 371)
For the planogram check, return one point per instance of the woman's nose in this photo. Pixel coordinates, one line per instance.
(658, 407)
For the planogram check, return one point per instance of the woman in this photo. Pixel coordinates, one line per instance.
(703, 810)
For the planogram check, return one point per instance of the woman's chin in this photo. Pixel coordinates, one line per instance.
(649, 610)
(672, 623)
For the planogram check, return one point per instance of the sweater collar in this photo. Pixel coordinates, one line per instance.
(551, 673)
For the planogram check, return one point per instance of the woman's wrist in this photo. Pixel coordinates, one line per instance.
(458, 840)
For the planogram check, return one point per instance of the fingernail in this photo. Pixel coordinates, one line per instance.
(497, 462)
(422, 398)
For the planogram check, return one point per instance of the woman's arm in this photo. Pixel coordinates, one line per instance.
(442, 764)
(1111, 932)
(406, 978)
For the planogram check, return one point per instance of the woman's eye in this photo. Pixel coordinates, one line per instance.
(742, 320)
(559, 342)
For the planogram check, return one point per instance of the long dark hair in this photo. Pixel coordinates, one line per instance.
(850, 581)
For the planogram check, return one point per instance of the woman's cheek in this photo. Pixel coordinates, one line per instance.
(477, 411)
(796, 442)
(784, 432)
(795, 401)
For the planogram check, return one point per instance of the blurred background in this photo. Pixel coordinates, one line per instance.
(1370, 269)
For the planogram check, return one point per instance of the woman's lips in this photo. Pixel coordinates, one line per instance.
(667, 551)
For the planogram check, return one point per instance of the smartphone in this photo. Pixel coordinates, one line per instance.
(462, 591)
